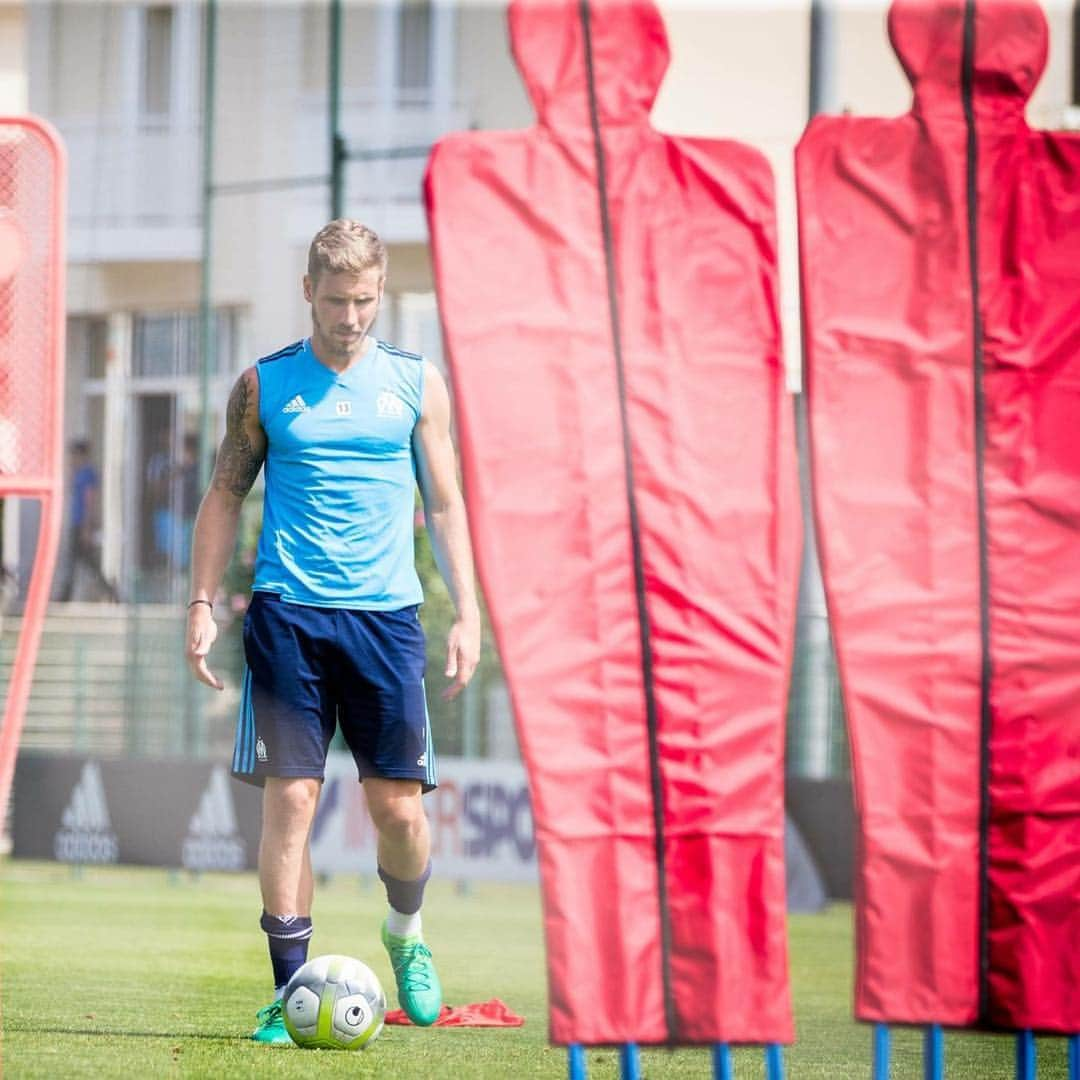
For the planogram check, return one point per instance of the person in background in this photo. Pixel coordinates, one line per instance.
(187, 495)
(157, 491)
(83, 521)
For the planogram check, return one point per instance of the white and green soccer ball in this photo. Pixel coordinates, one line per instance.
(334, 1003)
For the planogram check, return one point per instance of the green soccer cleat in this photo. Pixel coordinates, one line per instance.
(419, 991)
(271, 1029)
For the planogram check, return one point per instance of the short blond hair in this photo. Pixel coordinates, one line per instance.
(345, 246)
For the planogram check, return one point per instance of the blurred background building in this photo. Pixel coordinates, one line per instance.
(175, 257)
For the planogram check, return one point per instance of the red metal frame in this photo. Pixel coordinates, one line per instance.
(48, 486)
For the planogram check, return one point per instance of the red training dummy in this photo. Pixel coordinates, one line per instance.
(941, 285)
(609, 300)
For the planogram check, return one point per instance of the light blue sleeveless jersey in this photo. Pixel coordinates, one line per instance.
(340, 479)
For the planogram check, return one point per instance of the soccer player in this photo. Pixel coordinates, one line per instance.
(347, 426)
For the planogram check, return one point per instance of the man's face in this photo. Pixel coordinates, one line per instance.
(343, 308)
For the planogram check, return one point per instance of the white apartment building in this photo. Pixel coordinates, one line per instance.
(124, 84)
(123, 81)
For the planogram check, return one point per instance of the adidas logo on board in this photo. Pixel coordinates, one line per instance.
(85, 834)
(213, 841)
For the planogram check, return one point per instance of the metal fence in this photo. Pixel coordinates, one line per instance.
(112, 679)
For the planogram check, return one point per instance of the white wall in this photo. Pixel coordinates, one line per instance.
(13, 82)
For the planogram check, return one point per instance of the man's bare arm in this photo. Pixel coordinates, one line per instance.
(243, 449)
(239, 460)
(448, 527)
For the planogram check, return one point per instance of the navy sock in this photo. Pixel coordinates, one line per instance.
(405, 896)
(288, 937)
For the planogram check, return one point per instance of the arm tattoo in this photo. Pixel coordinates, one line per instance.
(238, 461)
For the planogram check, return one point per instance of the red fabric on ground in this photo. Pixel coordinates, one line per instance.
(493, 1013)
(520, 267)
(915, 368)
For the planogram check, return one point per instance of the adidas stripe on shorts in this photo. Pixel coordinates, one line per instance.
(312, 668)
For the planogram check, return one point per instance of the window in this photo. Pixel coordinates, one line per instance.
(414, 46)
(86, 344)
(155, 90)
(171, 343)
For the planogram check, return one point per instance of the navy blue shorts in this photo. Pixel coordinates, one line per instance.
(310, 669)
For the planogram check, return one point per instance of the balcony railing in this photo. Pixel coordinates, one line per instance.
(133, 190)
(387, 141)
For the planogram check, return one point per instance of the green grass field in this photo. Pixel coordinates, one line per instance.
(141, 973)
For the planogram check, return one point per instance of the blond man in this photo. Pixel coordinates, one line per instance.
(347, 426)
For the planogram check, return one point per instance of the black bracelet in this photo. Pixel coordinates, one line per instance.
(208, 603)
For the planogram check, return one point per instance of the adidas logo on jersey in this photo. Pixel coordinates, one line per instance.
(213, 841)
(298, 404)
(85, 834)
